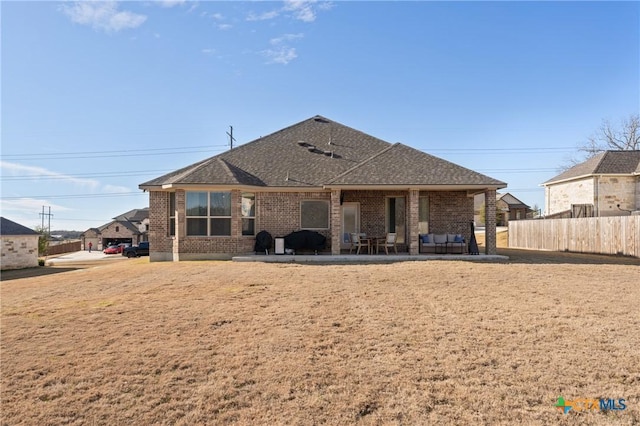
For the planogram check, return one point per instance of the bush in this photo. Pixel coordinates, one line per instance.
(40, 262)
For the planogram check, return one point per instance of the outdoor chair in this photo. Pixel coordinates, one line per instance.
(389, 241)
(357, 241)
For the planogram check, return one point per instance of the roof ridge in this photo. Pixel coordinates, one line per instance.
(597, 167)
(362, 163)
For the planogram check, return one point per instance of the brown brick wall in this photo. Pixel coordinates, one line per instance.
(450, 212)
(279, 214)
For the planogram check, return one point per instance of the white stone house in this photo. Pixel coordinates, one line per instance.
(607, 184)
(19, 245)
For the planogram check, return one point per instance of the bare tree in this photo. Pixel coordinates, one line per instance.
(625, 137)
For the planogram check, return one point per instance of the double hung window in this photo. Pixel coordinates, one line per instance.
(208, 213)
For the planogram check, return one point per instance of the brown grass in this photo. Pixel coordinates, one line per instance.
(437, 342)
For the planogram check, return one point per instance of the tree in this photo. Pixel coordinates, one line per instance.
(43, 240)
(625, 137)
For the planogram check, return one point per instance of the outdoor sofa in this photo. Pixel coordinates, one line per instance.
(442, 243)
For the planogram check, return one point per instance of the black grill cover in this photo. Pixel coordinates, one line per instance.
(264, 241)
(309, 240)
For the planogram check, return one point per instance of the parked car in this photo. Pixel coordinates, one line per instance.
(112, 249)
(141, 249)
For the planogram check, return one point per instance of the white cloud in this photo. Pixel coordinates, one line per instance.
(302, 10)
(208, 51)
(14, 169)
(217, 16)
(224, 27)
(39, 172)
(28, 205)
(115, 188)
(171, 3)
(282, 55)
(285, 37)
(263, 16)
(103, 16)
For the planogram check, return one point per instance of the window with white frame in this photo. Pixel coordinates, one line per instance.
(314, 214)
(208, 213)
(248, 213)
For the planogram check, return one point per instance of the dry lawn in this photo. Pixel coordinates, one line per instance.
(435, 342)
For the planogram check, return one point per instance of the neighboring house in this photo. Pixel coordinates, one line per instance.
(607, 184)
(315, 175)
(19, 245)
(508, 208)
(131, 227)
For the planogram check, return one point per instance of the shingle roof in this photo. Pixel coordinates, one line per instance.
(9, 227)
(607, 162)
(318, 152)
(135, 215)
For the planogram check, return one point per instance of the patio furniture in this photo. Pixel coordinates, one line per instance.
(387, 242)
(358, 241)
(442, 243)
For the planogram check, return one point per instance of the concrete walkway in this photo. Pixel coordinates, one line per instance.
(365, 258)
(81, 257)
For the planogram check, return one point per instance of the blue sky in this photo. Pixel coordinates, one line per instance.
(98, 97)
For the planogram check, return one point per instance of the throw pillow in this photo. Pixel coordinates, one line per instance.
(458, 239)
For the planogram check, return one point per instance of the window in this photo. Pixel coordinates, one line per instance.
(248, 213)
(314, 214)
(172, 213)
(117, 229)
(395, 217)
(423, 215)
(208, 213)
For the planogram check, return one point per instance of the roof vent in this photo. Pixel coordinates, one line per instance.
(303, 143)
(320, 119)
(328, 153)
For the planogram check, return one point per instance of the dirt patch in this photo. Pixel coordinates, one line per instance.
(436, 342)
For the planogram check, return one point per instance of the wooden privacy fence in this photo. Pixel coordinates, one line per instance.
(64, 248)
(605, 235)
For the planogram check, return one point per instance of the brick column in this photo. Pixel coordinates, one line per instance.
(412, 221)
(490, 222)
(181, 224)
(336, 222)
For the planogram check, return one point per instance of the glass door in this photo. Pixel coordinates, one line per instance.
(350, 222)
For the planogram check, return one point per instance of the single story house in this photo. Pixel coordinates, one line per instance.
(315, 175)
(508, 208)
(607, 184)
(131, 227)
(19, 245)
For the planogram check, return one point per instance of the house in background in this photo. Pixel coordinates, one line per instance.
(607, 184)
(131, 227)
(19, 245)
(508, 208)
(315, 175)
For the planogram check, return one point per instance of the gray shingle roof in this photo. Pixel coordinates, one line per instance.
(317, 152)
(9, 227)
(135, 215)
(607, 162)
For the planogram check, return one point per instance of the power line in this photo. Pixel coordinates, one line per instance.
(110, 151)
(71, 156)
(105, 195)
(82, 175)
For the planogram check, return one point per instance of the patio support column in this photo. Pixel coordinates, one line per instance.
(412, 221)
(490, 222)
(336, 222)
(181, 225)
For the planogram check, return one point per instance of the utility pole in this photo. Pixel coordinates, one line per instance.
(231, 138)
(43, 214)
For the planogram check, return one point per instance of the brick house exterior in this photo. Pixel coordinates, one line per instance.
(131, 227)
(508, 208)
(318, 175)
(19, 245)
(607, 184)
